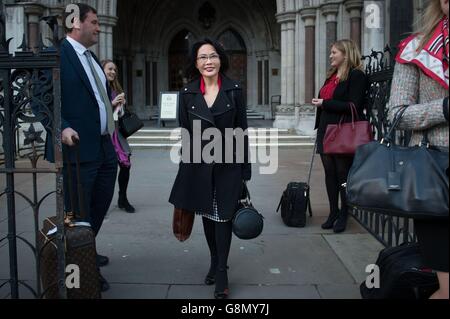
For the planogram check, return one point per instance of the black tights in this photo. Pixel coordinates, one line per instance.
(336, 172)
(218, 236)
(124, 178)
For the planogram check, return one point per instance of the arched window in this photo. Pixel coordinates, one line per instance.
(237, 52)
(179, 59)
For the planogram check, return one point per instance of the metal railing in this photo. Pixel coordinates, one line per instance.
(30, 93)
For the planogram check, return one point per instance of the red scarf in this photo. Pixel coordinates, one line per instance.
(433, 59)
(203, 86)
(327, 92)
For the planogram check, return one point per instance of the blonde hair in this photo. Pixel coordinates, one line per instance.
(428, 22)
(352, 58)
(115, 85)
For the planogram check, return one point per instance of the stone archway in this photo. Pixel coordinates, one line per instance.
(178, 59)
(152, 45)
(237, 53)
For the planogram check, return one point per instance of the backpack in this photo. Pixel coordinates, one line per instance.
(294, 203)
(295, 200)
(402, 275)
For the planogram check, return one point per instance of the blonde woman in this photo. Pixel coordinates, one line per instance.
(121, 146)
(421, 82)
(346, 83)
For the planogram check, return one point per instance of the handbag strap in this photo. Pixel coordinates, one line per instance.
(246, 194)
(355, 116)
(390, 138)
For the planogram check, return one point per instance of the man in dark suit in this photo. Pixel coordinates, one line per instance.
(87, 117)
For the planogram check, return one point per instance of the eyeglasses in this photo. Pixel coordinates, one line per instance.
(205, 58)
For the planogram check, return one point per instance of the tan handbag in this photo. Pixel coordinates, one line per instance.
(183, 221)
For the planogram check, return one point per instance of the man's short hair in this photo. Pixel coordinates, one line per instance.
(84, 9)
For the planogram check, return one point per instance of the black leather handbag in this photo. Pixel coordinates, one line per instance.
(248, 223)
(129, 124)
(400, 181)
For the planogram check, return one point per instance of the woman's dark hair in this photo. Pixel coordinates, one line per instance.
(191, 70)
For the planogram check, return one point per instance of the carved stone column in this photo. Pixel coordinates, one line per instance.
(106, 36)
(59, 12)
(354, 7)
(287, 21)
(309, 17)
(330, 11)
(34, 12)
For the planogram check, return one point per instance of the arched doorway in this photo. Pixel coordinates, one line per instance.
(237, 53)
(179, 59)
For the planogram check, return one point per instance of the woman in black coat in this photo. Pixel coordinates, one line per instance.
(346, 83)
(211, 185)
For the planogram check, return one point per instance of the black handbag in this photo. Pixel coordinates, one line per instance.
(248, 223)
(129, 124)
(409, 182)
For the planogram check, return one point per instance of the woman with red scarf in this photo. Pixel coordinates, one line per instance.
(212, 103)
(421, 83)
(345, 85)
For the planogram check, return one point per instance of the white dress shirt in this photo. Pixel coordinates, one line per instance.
(80, 50)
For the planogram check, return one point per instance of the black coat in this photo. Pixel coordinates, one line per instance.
(352, 90)
(194, 185)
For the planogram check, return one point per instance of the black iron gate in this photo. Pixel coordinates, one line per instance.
(390, 231)
(29, 95)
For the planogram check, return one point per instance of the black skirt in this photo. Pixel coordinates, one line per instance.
(433, 241)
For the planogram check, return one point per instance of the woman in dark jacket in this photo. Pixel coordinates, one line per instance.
(211, 185)
(346, 83)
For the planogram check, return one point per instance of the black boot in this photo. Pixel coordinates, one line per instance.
(341, 223)
(124, 204)
(329, 224)
(211, 276)
(222, 290)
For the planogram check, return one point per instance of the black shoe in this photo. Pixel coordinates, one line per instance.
(104, 285)
(332, 218)
(125, 205)
(102, 261)
(222, 295)
(211, 278)
(341, 223)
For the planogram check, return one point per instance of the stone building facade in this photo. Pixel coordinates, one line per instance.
(277, 47)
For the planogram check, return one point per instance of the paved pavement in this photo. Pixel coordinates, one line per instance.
(147, 262)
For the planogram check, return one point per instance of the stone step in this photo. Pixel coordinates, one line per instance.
(284, 138)
(251, 115)
(169, 131)
(306, 145)
(261, 137)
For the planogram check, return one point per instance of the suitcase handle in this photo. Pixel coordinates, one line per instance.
(76, 149)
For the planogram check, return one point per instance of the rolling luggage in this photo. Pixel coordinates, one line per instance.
(295, 201)
(80, 250)
(402, 275)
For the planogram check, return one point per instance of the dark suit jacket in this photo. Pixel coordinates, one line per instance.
(352, 90)
(79, 107)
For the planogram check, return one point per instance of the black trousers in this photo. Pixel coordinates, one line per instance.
(124, 178)
(98, 180)
(336, 168)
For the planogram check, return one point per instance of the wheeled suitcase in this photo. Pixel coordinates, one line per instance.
(80, 250)
(294, 204)
(402, 275)
(295, 201)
